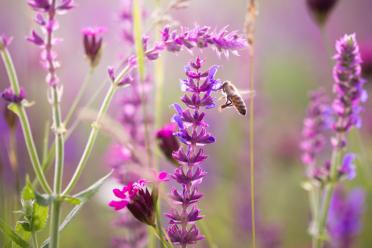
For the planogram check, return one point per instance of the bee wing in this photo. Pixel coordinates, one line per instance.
(247, 93)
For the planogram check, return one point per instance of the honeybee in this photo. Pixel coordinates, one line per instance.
(233, 97)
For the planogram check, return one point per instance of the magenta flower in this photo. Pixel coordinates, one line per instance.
(10, 96)
(137, 198)
(167, 141)
(92, 38)
(192, 133)
(5, 41)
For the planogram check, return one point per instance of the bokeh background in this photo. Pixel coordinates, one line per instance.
(293, 57)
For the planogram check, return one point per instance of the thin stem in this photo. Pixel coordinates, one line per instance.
(26, 129)
(94, 131)
(34, 240)
(79, 96)
(251, 147)
(328, 192)
(137, 34)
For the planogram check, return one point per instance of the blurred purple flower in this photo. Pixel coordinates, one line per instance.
(320, 9)
(344, 221)
(348, 87)
(5, 41)
(192, 132)
(10, 96)
(314, 126)
(167, 141)
(366, 55)
(92, 40)
(348, 169)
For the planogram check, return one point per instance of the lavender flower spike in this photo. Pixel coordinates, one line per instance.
(348, 87)
(192, 133)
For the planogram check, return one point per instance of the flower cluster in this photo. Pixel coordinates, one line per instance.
(137, 197)
(348, 87)
(320, 9)
(48, 25)
(92, 40)
(345, 214)
(192, 132)
(10, 96)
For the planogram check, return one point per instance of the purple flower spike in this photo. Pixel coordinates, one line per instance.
(316, 122)
(192, 132)
(344, 221)
(92, 38)
(348, 86)
(9, 95)
(320, 9)
(5, 41)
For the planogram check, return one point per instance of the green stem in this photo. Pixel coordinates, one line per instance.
(94, 131)
(79, 96)
(328, 192)
(59, 130)
(30, 144)
(34, 240)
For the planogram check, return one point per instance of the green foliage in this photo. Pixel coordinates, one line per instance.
(14, 236)
(79, 200)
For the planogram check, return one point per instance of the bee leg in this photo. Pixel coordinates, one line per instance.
(227, 104)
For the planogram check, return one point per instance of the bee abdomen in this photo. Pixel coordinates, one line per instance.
(239, 104)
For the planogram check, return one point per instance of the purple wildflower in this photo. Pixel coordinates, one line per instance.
(344, 221)
(5, 41)
(192, 133)
(315, 124)
(92, 38)
(348, 169)
(168, 142)
(366, 54)
(10, 96)
(320, 9)
(348, 88)
(48, 25)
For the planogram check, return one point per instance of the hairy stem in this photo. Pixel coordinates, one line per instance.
(34, 240)
(26, 129)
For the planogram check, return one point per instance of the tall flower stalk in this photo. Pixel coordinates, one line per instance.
(346, 109)
(250, 23)
(49, 61)
(192, 132)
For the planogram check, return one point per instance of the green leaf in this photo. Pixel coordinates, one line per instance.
(40, 217)
(14, 108)
(28, 192)
(91, 190)
(21, 232)
(83, 196)
(7, 230)
(72, 200)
